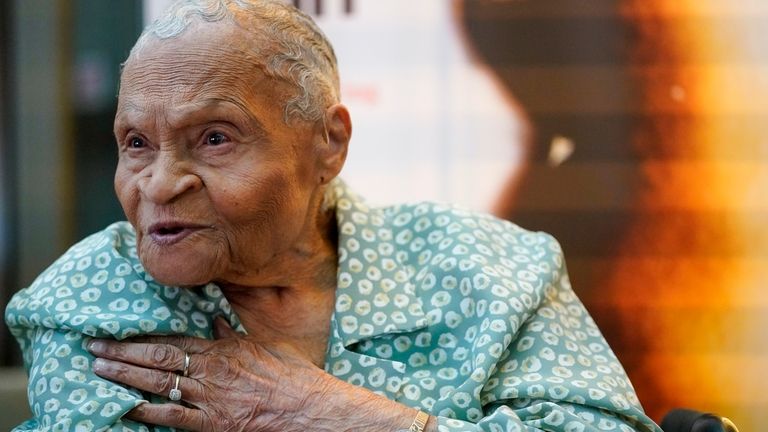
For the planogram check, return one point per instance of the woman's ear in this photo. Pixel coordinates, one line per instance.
(333, 152)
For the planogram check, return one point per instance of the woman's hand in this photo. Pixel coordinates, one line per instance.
(232, 384)
(236, 385)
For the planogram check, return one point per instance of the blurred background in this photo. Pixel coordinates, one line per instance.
(635, 131)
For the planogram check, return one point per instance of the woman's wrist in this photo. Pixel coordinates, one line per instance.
(359, 409)
(419, 423)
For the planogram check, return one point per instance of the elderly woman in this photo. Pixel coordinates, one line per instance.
(250, 290)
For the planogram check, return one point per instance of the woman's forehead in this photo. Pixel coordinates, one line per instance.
(177, 63)
(189, 77)
(205, 55)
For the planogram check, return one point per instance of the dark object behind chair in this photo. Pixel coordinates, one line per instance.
(13, 398)
(685, 420)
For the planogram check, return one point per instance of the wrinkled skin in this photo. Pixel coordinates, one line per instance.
(221, 189)
(236, 385)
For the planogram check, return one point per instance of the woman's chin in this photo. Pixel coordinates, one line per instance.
(168, 269)
(174, 278)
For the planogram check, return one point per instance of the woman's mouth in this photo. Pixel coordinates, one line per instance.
(170, 234)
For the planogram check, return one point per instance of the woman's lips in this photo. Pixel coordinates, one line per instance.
(168, 234)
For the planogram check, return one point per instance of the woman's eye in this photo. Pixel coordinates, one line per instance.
(136, 143)
(216, 138)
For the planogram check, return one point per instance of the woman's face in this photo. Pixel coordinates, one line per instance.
(214, 181)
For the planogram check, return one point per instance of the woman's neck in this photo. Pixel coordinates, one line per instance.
(293, 301)
(296, 316)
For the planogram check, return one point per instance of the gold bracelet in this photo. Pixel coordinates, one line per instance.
(418, 423)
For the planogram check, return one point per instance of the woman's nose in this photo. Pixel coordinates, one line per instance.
(167, 180)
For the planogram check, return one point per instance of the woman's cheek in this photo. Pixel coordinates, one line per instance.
(127, 192)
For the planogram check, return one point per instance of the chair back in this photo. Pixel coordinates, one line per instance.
(687, 420)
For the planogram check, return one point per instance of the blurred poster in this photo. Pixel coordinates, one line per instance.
(428, 123)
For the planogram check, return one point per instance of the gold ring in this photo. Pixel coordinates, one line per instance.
(185, 371)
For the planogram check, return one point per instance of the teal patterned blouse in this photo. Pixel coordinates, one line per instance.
(460, 314)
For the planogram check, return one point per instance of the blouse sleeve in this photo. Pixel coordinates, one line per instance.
(557, 373)
(97, 289)
(64, 394)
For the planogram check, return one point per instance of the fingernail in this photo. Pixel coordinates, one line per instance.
(98, 365)
(96, 346)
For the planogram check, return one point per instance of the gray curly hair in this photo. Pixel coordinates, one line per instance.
(300, 53)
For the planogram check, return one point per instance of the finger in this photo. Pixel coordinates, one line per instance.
(222, 329)
(189, 344)
(172, 415)
(155, 356)
(150, 380)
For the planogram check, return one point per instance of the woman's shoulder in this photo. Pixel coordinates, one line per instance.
(99, 288)
(95, 252)
(447, 243)
(435, 226)
(111, 250)
(451, 230)
(432, 244)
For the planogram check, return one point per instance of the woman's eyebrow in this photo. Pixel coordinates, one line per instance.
(127, 110)
(129, 105)
(191, 113)
(201, 108)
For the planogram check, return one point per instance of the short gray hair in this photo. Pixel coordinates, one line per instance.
(300, 55)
